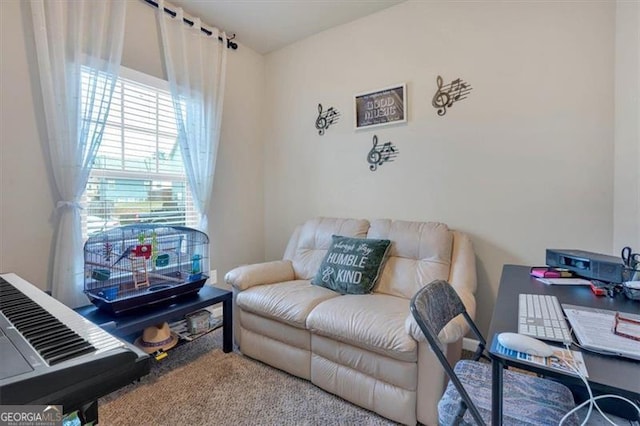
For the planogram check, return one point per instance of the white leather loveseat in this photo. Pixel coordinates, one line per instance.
(365, 348)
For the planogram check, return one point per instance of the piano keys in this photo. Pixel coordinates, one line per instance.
(51, 355)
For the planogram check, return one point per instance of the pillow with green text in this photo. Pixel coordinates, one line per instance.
(352, 265)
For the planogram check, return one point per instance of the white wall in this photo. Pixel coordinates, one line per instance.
(627, 127)
(27, 220)
(525, 163)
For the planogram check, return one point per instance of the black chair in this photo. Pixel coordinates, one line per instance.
(528, 400)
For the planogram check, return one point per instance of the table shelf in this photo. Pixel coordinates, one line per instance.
(126, 325)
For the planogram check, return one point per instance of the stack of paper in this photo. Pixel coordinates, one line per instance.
(564, 281)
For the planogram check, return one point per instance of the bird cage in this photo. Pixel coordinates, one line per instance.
(132, 266)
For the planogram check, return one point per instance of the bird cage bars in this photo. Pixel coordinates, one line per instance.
(136, 265)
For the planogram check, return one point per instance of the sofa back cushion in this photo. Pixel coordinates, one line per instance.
(420, 253)
(309, 244)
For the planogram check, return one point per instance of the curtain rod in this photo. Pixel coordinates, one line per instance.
(230, 43)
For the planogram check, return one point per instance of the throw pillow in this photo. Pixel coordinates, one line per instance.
(352, 265)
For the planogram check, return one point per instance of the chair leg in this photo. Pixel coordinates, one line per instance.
(479, 353)
(460, 414)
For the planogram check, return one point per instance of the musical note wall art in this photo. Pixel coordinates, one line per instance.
(446, 95)
(378, 155)
(326, 118)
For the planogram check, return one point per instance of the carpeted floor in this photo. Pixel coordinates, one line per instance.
(198, 384)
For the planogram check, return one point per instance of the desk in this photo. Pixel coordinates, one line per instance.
(138, 320)
(607, 374)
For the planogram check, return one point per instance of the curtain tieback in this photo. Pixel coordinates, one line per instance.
(70, 204)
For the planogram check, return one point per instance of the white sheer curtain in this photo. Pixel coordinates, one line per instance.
(78, 42)
(195, 65)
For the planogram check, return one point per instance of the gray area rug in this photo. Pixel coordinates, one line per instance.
(198, 384)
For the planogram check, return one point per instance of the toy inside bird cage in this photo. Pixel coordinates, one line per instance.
(137, 265)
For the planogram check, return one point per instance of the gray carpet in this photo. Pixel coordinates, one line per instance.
(198, 384)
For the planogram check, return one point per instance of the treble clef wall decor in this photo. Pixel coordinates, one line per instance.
(379, 155)
(446, 95)
(326, 118)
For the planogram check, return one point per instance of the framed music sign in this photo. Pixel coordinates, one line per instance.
(381, 107)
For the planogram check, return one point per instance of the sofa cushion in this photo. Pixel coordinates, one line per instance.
(314, 239)
(289, 302)
(352, 265)
(370, 321)
(420, 253)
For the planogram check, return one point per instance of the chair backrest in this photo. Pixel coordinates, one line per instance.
(433, 306)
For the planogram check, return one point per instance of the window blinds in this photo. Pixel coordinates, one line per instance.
(138, 174)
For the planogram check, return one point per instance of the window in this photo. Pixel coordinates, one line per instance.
(138, 174)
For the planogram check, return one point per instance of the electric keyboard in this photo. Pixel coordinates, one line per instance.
(540, 316)
(53, 356)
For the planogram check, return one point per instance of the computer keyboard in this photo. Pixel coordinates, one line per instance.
(541, 316)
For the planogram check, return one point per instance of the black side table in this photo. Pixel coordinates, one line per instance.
(138, 320)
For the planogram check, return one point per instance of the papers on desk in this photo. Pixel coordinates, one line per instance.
(558, 361)
(564, 281)
(594, 330)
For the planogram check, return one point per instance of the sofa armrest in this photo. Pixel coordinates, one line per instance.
(247, 276)
(456, 329)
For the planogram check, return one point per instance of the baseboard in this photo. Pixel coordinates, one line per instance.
(469, 344)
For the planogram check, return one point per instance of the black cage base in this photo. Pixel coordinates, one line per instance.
(156, 294)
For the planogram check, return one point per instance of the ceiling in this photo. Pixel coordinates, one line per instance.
(268, 25)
